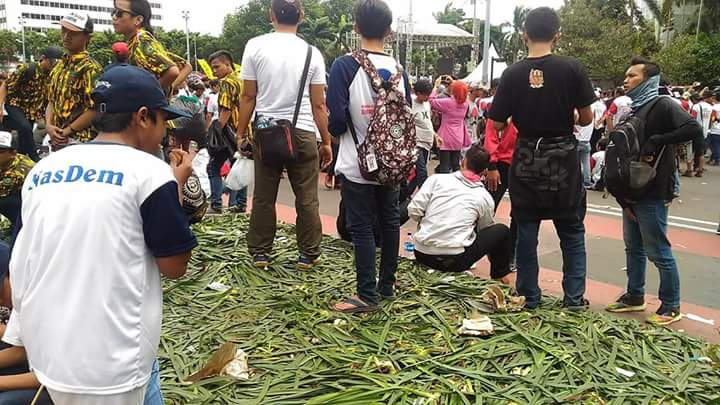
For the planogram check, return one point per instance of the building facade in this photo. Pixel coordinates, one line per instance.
(41, 15)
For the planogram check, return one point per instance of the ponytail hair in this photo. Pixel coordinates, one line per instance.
(142, 8)
(459, 91)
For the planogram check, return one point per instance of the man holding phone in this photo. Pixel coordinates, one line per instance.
(86, 289)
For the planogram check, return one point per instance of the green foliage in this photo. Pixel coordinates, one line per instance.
(688, 59)
(8, 46)
(451, 15)
(603, 38)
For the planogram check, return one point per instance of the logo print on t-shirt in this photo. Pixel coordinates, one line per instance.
(537, 79)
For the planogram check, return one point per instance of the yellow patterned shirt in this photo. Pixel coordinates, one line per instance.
(148, 53)
(12, 178)
(28, 93)
(229, 97)
(71, 83)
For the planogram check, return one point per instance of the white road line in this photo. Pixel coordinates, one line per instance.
(674, 218)
(675, 224)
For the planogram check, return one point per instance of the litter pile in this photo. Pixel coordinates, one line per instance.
(410, 352)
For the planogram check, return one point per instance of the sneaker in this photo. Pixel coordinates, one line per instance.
(583, 306)
(627, 303)
(306, 262)
(664, 317)
(261, 261)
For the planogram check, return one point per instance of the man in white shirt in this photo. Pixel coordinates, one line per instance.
(425, 134)
(620, 108)
(455, 214)
(101, 222)
(599, 109)
(583, 135)
(213, 110)
(272, 69)
(702, 111)
(714, 136)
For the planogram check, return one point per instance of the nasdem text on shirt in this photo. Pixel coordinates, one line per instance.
(75, 173)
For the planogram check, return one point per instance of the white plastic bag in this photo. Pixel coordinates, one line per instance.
(241, 175)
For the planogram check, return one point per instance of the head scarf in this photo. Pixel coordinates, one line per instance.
(646, 92)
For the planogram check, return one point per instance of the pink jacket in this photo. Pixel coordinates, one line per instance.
(452, 130)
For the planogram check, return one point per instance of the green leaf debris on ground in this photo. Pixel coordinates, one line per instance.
(409, 352)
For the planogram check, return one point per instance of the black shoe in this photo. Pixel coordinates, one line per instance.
(582, 306)
(627, 303)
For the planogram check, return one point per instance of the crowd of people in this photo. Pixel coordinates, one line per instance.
(135, 152)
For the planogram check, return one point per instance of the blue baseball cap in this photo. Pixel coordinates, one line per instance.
(126, 89)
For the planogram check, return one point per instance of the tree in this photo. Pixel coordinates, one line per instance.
(248, 22)
(687, 59)
(514, 48)
(450, 15)
(8, 46)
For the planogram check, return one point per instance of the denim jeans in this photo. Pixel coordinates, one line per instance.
(572, 243)
(584, 151)
(364, 204)
(153, 395)
(421, 173)
(647, 239)
(217, 187)
(16, 120)
(20, 397)
(714, 141)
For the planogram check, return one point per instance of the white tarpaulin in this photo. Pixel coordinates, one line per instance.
(497, 68)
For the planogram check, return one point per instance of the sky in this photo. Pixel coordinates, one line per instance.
(206, 16)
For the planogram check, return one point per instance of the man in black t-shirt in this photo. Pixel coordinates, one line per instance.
(541, 93)
(645, 220)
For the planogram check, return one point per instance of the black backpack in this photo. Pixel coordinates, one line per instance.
(623, 155)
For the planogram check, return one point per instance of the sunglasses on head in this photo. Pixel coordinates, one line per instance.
(120, 13)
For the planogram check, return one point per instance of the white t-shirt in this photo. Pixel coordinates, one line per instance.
(598, 109)
(423, 125)
(702, 112)
(621, 108)
(276, 62)
(212, 106)
(715, 126)
(583, 134)
(86, 287)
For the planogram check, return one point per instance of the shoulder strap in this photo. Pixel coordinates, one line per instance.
(303, 81)
(351, 127)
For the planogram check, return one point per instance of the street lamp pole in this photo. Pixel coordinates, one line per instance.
(195, 51)
(186, 16)
(22, 34)
(486, 44)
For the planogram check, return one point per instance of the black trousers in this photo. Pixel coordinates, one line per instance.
(449, 161)
(498, 195)
(16, 120)
(493, 241)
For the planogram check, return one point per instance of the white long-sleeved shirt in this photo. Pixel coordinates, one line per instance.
(449, 210)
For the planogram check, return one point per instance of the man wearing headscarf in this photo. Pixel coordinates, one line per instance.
(645, 220)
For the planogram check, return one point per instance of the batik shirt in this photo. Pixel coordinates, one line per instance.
(229, 98)
(146, 52)
(28, 94)
(12, 178)
(71, 83)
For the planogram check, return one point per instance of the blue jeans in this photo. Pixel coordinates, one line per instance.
(584, 151)
(421, 173)
(364, 204)
(647, 239)
(217, 187)
(153, 395)
(572, 243)
(714, 141)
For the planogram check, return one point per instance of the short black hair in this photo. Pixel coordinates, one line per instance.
(287, 13)
(214, 82)
(650, 68)
(477, 159)
(602, 143)
(373, 18)
(542, 24)
(222, 54)
(142, 8)
(423, 86)
(116, 122)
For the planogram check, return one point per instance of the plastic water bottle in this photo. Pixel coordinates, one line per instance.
(409, 247)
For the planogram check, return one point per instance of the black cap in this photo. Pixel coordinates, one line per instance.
(53, 52)
(126, 89)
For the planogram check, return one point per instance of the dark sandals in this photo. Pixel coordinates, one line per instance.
(356, 306)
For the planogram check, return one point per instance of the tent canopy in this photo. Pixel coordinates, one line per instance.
(497, 68)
